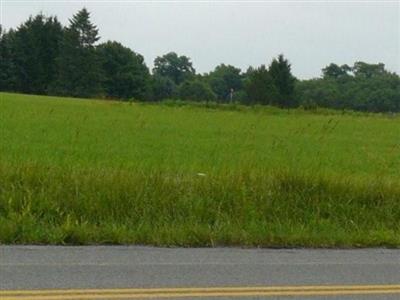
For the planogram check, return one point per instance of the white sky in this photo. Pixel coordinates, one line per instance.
(311, 34)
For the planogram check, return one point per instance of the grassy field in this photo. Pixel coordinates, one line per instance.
(84, 171)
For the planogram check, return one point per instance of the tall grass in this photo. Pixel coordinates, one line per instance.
(84, 172)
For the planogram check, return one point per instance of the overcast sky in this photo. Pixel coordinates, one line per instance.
(311, 34)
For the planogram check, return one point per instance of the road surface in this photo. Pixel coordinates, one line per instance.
(130, 272)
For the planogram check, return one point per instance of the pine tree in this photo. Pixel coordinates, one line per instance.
(79, 67)
(280, 72)
(87, 33)
(7, 67)
(34, 47)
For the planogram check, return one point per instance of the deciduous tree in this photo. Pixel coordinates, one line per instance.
(196, 90)
(177, 68)
(223, 79)
(125, 73)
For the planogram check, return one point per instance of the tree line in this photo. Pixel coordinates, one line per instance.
(42, 56)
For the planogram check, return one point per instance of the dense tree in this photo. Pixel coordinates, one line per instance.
(318, 92)
(79, 66)
(161, 87)
(35, 46)
(42, 57)
(125, 73)
(334, 71)
(196, 90)
(372, 88)
(224, 80)
(362, 69)
(7, 65)
(260, 86)
(280, 72)
(177, 68)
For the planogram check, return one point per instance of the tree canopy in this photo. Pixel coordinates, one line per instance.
(79, 67)
(196, 90)
(41, 56)
(177, 68)
(280, 72)
(224, 80)
(125, 73)
(370, 87)
(33, 49)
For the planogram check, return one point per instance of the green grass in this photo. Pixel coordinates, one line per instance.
(83, 172)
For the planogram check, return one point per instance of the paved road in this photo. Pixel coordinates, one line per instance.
(255, 273)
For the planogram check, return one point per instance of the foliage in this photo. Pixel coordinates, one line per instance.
(370, 88)
(196, 90)
(8, 80)
(365, 70)
(162, 87)
(87, 32)
(280, 72)
(43, 57)
(126, 74)
(260, 87)
(333, 71)
(34, 48)
(177, 68)
(223, 79)
(79, 66)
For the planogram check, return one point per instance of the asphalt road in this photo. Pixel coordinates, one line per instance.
(129, 272)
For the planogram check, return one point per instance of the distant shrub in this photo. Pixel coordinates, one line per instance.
(196, 90)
